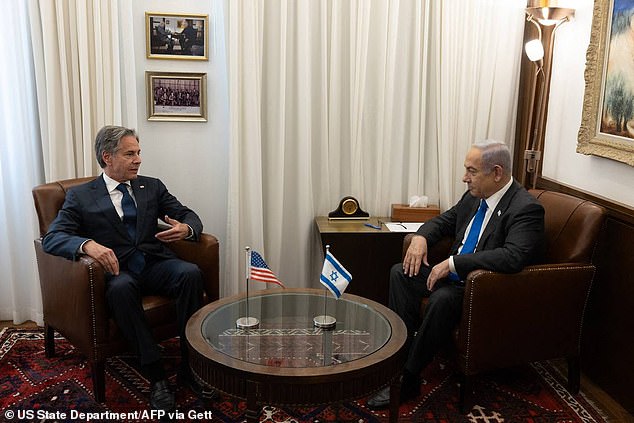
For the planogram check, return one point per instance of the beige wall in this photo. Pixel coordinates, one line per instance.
(190, 157)
(597, 175)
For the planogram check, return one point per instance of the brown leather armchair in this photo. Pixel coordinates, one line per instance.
(536, 314)
(73, 292)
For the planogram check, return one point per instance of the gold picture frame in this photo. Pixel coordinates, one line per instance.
(176, 36)
(607, 121)
(176, 96)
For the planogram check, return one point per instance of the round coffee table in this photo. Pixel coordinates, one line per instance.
(288, 361)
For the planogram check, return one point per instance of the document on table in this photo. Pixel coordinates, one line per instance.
(403, 227)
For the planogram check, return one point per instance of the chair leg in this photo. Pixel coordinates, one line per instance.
(466, 394)
(574, 375)
(49, 341)
(98, 373)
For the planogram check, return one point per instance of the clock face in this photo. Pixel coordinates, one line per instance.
(349, 206)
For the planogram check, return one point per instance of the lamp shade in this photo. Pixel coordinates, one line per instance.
(534, 50)
(550, 15)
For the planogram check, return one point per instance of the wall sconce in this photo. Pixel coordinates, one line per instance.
(546, 19)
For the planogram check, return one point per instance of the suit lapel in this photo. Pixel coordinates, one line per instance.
(104, 204)
(497, 214)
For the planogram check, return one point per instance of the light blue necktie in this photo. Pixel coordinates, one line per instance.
(474, 232)
(136, 261)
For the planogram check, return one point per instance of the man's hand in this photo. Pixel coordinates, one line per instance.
(104, 255)
(177, 231)
(415, 255)
(439, 271)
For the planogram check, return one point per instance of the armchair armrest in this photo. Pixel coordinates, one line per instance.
(205, 253)
(535, 314)
(72, 293)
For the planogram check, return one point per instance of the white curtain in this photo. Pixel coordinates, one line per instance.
(85, 78)
(70, 73)
(375, 99)
(20, 170)
(476, 59)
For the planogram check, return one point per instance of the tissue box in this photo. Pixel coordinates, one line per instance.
(405, 213)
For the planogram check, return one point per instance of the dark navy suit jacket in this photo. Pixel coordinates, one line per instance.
(512, 239)
(88, 213)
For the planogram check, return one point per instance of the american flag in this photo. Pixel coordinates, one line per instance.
(260, 270)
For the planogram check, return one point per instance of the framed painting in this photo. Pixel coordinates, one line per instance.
(176, 36)
(607, 121)
(176, 96)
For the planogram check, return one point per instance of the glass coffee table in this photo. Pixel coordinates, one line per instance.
(288, 361)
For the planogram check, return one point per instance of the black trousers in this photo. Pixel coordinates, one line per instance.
(172, 278)
(442, 313)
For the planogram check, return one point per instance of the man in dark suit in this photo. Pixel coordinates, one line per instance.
(164, 36)
(188, 37)
(113, 219)
(497, 225)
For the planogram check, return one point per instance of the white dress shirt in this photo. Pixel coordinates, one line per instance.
(116, 196)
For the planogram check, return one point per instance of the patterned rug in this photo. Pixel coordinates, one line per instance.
(34, 388)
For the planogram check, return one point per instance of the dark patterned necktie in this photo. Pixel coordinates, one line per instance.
(129, 211)
(136, 262)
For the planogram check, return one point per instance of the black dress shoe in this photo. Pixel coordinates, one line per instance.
(410, 389)
(380, 400)
(186, 378)
(161, 396)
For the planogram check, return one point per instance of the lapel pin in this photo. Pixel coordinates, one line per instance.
(141, 186)
(499, 213)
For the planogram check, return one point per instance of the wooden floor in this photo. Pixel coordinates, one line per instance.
(614, 412)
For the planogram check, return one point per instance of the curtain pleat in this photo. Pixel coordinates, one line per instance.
(81, 82)
(20, 170)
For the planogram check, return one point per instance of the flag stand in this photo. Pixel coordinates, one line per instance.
(248, 322)
(325, 321)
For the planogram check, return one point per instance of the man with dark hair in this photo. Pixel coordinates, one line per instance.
(113, 219)
(164, 36)
(497, 225)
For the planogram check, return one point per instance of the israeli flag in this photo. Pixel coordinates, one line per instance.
(334, 276)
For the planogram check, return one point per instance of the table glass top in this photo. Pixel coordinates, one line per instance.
(286, 336)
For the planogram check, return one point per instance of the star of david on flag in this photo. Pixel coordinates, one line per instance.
(260, 270)
(334, 276)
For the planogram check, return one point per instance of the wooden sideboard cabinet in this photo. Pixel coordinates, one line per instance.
(367, 253)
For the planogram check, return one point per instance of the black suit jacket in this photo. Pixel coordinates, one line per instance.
(88, 213)
(512, 239)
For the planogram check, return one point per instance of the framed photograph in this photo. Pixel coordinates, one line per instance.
(172, 36)
(176, 96)
(607, 121)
